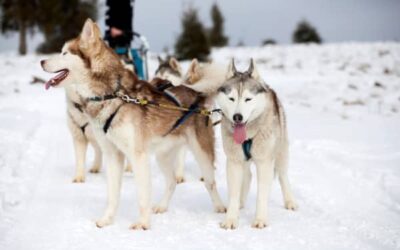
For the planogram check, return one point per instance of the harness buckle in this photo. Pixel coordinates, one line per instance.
(125, 98)
(205, 112)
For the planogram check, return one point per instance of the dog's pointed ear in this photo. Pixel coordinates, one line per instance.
(175, 64)
(193, 67)
(97, 32)
(231, 69)
(160, 60)
(90, 32)
(252, 71)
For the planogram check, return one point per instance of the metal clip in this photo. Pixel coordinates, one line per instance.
(125, 98)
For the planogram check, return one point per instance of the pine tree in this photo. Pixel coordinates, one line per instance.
(216, 33)
(61, 20)
(18, 15)
(268, 41)
(192, 42)
(306, 33)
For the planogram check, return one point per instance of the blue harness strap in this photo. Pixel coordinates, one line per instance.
(164, 86)
(192, 110)
(246, 146)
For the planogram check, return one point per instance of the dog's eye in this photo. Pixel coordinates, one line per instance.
(247, 99)
(64, 53)
(232, 99)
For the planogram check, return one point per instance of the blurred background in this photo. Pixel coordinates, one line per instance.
(250, 23)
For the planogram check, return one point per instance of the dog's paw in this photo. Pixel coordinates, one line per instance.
(291, 205)
(229, 224)
(140, 226)
(180, 179)
(103, 222)
(220, 209)
(95, 170)
(79, 179)
(159, 209)
(259, 223)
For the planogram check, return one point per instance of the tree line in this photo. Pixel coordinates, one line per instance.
(58, 20)
(61, 20)
(195, 41)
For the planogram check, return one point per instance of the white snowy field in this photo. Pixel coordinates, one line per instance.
(343, 107)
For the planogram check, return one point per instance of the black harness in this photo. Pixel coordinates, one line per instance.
(161, 88)
(246, 147)
(114, 95)
(164, 86)
(79, 108)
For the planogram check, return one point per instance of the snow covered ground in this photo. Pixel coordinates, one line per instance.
(343, 108)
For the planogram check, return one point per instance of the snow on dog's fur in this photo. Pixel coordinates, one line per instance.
(251, 111)
(135, 131)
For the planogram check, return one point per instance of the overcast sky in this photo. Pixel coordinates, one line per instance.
(252, 21)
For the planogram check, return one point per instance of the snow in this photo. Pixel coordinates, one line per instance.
(344, 162)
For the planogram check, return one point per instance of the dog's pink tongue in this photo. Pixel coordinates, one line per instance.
(47, 85)
(239, 133)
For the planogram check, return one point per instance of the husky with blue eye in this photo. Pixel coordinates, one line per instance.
(253, 130)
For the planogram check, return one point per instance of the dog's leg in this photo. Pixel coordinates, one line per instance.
(97, 157)
(114, 161)
(80, 146)
(207, 168)
(165, 162)
(128, 167)
(245, 185)
(141, 164)
(265, 175)
(282, 170)
(234, 173)
(180, 162)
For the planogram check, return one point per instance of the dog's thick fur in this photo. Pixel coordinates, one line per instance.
(135, 131)
(170, 70)
(262, 114)
(82, 134)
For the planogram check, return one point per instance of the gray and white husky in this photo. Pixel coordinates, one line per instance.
(253, 130)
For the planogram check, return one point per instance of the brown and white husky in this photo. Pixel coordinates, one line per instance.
(170, 70)
(131, 130)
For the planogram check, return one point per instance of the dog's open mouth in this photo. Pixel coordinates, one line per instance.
(61, 75)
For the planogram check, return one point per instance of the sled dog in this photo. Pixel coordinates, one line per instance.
(128, 119)
(170, 70)
(253, 130)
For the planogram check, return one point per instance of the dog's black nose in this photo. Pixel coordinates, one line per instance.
(237, 118)
(42, 62)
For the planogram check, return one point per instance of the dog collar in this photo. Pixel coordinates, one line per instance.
(106, 97)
